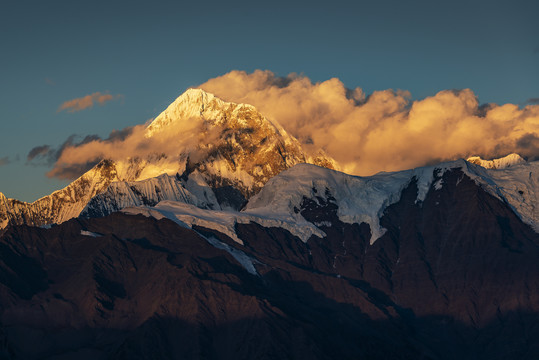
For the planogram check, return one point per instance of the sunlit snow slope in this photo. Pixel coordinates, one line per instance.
(221, 153)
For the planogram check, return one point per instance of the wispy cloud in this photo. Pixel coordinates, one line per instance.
(533, 101)
(4, 161)
(88, 101)
(38, 152)
(48, 155)
(50, 81)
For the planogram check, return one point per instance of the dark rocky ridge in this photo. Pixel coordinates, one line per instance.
(454, 277)
(150, 289)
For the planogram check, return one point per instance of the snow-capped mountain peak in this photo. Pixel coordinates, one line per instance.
(501, 163)
(232, 149)
(187, 107)
(230, 144)
(199, 106)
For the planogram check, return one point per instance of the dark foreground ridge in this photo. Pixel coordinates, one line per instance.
(454, 277)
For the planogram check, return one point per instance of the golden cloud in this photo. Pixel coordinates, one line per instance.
(87, 101)
(384, 131)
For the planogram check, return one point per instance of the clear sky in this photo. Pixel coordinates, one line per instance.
(146, 53)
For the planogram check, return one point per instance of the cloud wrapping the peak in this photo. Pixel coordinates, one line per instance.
(73, 158)
(77, 165)
(87, 101)
(385, 131)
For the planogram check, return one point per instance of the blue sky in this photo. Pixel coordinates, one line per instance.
(150, 52)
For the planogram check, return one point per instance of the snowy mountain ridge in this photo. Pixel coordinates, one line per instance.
(230, 149)
(62, 204)
(148, 192)
(225, 221)
(359, 199)
(197, 104)
(364, 199)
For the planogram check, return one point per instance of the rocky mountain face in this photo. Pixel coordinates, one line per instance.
(230, 150)
(236, 145)
(61, 205)
(452, 274)
(123, 194)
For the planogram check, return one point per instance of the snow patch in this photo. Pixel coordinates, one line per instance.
(246, 261)
(519, 186)
(502, 163)
(176, 212)
(438, 185)
(323, 223)
(89, 233)
(197, 185)
(225, 221)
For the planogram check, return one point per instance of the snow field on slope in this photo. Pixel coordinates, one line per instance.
(364, 199)
(225, 221)
(359, 199)
(187, 215)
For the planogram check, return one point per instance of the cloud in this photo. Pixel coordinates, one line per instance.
(382, 131)
(71, 171)
(73, 158)
(386, 130)
(38, 152)
(534, 101)
(87, 101)
(4, 161)
(48, 155)
(78, 154)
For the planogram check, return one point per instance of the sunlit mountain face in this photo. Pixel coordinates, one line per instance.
(216, 154)
(215, 231)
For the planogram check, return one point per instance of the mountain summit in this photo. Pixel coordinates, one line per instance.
(217, 153)
(230, 144)
(501, 163)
